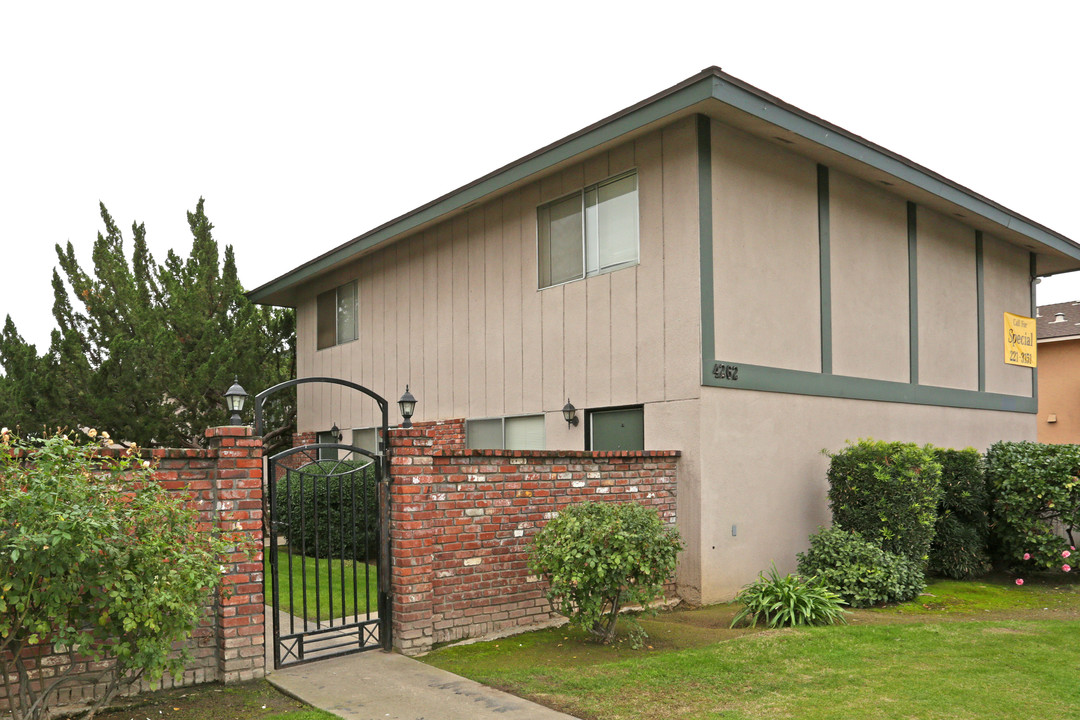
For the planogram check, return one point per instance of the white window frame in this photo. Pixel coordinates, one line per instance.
(589, 245)
(354, 288)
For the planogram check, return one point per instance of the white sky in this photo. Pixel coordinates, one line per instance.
(305, 125)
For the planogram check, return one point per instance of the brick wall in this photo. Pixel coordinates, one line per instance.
(461, 522)
(224, 482)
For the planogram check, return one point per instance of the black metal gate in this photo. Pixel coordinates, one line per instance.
(329, 554)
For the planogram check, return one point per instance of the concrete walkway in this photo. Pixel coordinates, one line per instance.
(377, 685)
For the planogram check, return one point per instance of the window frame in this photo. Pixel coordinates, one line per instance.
(585, 246)
(502, 424)
(355, 284)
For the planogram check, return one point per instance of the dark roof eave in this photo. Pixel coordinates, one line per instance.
(709, 83)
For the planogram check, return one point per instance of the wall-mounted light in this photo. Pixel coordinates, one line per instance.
(407, 406)
(235, 397)
(335, 433)
(569, 413)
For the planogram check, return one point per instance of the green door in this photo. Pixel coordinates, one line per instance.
(622, 429)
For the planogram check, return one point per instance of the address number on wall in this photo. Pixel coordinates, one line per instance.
(723, 371)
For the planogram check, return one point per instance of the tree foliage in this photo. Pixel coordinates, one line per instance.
(598, 557)
(147, 349)
(959, 549)
(96, 558)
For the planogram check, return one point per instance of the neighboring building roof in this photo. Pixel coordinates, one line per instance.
(1057, 321)
(716, 94)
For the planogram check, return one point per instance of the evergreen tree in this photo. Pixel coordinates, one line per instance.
(147, 351)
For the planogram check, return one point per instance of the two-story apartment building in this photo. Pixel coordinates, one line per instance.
(711, 270)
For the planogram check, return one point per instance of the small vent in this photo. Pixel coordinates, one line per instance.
(1058, 317)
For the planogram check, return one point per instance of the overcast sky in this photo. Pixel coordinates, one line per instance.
(305, 125)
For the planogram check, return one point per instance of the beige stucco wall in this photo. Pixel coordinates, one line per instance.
(948, 312)
(762, 469)
(765, 253)
(1007, 288)
(1059, 391)
(869, 275)
(456, 313)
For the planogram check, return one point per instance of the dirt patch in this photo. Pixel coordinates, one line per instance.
(243, 701)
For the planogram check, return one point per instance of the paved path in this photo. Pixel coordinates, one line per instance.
(377, 685)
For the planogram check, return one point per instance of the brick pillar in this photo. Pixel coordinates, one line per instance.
(411, 559)
(237, 492)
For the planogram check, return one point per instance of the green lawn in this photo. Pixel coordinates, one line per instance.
(329, 574)
(965, 650)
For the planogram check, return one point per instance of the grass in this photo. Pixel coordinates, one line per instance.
(962, 650)
(256, 700)
(306, 569)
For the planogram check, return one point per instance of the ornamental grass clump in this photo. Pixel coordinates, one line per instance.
(788, 601)
(600, 557)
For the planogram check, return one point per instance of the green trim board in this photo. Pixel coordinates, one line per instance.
(1034, 310)
(749, 99)
(705, 234)
(725, 374)
(824, 268)
(801, 382)
(980, 303)
(913, 292)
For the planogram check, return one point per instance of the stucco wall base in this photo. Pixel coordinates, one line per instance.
(763, 488)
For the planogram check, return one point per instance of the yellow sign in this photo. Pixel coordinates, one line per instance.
(1020, 340)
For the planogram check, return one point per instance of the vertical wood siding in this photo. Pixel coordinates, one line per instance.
(455, 311)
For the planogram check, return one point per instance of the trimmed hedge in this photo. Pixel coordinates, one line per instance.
(963, 525)
(1035, 502)
(887, 492)
(858, 570)
(328, 497)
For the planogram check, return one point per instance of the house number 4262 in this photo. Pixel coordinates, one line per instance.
(722, 371)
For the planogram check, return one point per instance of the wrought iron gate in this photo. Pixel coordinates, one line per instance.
(328, 550)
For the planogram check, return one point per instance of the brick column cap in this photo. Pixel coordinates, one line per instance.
(230, 431)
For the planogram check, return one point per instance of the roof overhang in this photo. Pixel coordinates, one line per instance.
(714, 93)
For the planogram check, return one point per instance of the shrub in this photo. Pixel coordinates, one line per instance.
(598, 557)
(322, 505)
(887, 492)
(95, 556)
(788, 601)
(1035, 502)
(860, 572)
(960, 536)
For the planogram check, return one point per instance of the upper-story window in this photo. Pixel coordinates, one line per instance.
(590, 232)
(336, 310)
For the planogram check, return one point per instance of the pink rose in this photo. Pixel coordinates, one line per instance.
(1027, 556)
(1065, 554)
(1073, 548)
(1019, 581)
(1066, 568)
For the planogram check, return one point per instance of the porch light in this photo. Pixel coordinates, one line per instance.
(335, 433)
(569, 413)
(407, 405)
(235, 397)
